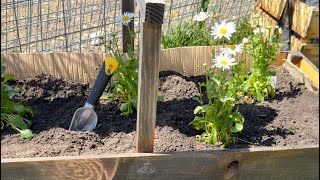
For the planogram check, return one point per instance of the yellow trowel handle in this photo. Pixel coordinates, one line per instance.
(102, 80)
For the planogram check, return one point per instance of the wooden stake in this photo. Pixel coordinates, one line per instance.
(148, 77)
(127, 6)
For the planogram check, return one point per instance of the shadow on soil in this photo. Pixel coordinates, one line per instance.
(292, 93)
(58, 112)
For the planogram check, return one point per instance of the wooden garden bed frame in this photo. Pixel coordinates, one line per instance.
(301, 162)
(252, 163)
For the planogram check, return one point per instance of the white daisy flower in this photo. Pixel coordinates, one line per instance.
(125, 18)
(232, 49)
(223, 30)
(201, 16)
(224, 61)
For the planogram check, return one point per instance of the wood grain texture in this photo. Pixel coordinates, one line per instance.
(255, 163)
(275, 8)
(305, 20)
(148, 87)
(127, 6)
(310, 50)
(303, 70)
(149, 65)
(185, 60)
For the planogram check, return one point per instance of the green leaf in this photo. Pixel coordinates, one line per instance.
(19, 109)
(213, 138)
(237, 128)
(105, 97)
(197, 99)
(124, 107)
(8, 77)
(25, 133)
(10, 91)
(198, 123)
(216, 81)
(198, 109)
(227, 99)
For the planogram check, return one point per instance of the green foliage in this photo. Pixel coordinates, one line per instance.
(13, 113)
(204, 5)
(262, 48)
(186, 34)
(125, 84)
(197, 34)
(218, 118)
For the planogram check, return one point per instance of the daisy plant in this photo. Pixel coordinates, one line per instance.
(192, 33)
(125, 84)
(262, 47)
(216, 115)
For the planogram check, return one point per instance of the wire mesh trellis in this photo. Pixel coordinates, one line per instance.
(76, 25)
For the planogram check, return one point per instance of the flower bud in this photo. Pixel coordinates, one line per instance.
(245, 40)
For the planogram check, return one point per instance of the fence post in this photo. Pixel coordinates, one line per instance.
(149, 58)
(127, 6)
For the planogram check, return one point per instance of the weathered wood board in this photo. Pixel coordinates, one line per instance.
(275, 8)
(310, 50)
(305, 20)
(303, 70)
(84, 67)
(254, 163)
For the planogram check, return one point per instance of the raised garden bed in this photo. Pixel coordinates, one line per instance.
(291, 119)
(281, 135)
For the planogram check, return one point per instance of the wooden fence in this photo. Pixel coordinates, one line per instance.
(304, 21)
(84, 67)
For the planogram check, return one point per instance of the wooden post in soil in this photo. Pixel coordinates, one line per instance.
(149, 58)
(127, 6)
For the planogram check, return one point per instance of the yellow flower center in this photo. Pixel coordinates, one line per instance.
(224, 62)
(232, 47)
(223, 31)
(125, 18)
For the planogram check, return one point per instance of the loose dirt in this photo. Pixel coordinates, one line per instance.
(290, 119)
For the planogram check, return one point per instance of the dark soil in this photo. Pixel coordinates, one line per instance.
(290, 119)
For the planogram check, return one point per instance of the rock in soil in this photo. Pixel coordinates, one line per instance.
(290, 119)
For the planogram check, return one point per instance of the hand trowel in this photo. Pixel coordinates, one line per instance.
(85, 118)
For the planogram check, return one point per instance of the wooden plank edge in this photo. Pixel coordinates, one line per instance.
(156, 154)
(275, 164)
(296, 15)
(271, 9)
(298, 73)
